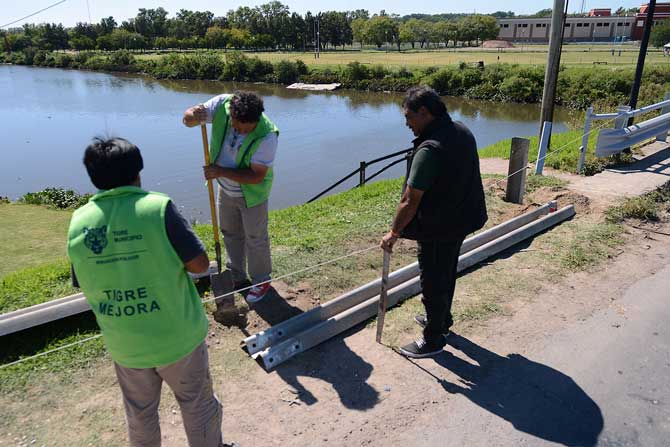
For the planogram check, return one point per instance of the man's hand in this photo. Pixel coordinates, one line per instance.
(212, 172)
(388, 241)
(195, 115)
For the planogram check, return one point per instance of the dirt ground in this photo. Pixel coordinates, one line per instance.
(348, 391)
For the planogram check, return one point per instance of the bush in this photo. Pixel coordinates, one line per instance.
(39, 57)
(235, 68)
(121, 58)
(445, 82)
(286, 72)
(62, 60)
(302, 67)
(518, 89)
(258, 69)
(57, 197)
(96, 63)
(355, 71)
(29, 55)
(378, 71)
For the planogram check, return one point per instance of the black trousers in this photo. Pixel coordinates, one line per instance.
(438, 261)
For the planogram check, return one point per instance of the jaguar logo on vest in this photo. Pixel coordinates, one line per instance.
(95, 239)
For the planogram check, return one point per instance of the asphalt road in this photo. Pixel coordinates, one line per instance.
(603, 381)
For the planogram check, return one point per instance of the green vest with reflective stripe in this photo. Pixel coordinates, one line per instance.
(253, 194)
(145, 302)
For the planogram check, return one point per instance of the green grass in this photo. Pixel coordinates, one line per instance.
(31, 235)
(646, 207)
(563, 154)
(572, 55)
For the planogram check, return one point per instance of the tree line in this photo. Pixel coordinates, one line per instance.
(268, 26)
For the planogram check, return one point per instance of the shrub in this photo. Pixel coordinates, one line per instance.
(302, 67)
(355, 71)
(57, 197)
(519, 89)
(235, 68)
(96, 63)
(286, 72)
(121, 58)
(378, 71)
(39, 57)
(62, 60)
(445, 82)
(29, 55)
(258, 69)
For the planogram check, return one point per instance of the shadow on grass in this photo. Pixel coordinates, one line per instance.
(36, 339)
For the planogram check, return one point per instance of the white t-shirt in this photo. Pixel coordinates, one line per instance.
(227, 158)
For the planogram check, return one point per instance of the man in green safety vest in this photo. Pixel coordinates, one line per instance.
(130, 251)
(242, 151)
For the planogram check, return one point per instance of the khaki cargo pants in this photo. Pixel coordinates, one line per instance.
(191, 384)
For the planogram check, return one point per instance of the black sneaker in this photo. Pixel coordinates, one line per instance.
(244, 284)
(420, 348)
(422, 321)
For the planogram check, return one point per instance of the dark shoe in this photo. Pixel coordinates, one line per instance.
(422, 321)
(244, 284)
(420, 348)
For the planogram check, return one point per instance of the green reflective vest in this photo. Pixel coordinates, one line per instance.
(253, 194)
(145, 303)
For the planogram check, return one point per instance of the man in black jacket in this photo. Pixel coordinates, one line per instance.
(442, 202)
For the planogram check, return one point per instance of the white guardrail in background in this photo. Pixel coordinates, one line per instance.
(613, 141)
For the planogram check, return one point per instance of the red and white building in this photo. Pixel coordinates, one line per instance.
(598, 26)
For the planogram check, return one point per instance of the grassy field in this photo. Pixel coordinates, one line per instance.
(31, 235)
(573, 55)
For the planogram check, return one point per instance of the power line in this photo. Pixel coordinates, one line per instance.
(33, 14)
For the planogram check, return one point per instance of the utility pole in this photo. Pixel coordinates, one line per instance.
(553, 61)
(317, 39)
(641, 57)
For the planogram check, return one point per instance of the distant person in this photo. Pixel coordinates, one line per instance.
(443, 202)
(242, 152)
(131, 250)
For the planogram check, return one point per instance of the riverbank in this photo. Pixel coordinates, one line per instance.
(578, 87)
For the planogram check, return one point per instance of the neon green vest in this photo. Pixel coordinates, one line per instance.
(145, 303)
(253, 194)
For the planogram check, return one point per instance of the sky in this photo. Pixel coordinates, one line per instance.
(73, 11)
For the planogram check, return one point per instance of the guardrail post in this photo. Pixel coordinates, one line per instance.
(663, 136)
(622, 120)
(583, 149)
(518, 161)
(542, 149)
(361, 172)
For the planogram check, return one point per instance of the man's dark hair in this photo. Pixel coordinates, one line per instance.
(246, 107)
(427, 97)
(112, 162)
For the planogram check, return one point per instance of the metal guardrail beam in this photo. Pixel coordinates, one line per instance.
(613, 141)
(58, 309)
(328, 328)
(289, 328)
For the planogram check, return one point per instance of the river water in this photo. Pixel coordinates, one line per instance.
(48, 116)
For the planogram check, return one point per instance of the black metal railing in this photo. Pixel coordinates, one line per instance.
(404, 155)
